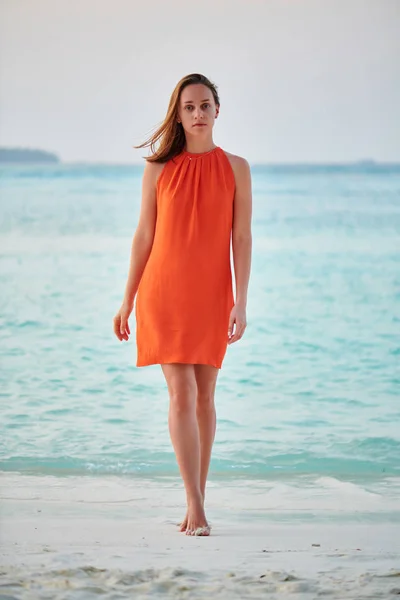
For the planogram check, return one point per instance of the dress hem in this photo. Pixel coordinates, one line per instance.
(147, 363)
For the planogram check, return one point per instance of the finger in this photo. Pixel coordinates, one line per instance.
(117, 327)
(237, 335)
(230, 326)
(233, 339)
(240, 334)
(242, 328)
(119, 330)
(122, 326)
(127, 327)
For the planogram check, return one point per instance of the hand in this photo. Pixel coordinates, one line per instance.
(120, 322)
(238, 318)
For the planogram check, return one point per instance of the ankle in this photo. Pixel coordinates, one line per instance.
(194, 498)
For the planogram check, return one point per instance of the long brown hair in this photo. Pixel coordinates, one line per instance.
(170, 133)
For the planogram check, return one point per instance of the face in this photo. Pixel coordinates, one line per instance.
(197, 109)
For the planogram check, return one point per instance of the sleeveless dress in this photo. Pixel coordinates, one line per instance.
(185, 295)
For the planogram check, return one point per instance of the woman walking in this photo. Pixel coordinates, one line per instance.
(196, 198)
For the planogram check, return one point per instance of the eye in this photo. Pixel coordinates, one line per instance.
(207, 104)
(188, 106)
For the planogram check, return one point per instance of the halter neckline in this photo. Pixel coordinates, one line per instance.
(199, 154)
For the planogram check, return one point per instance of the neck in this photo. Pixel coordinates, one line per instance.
(199, 146)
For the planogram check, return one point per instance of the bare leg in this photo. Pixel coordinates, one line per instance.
(206, 379)
(184, 432)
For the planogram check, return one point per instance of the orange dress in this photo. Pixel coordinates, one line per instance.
(185, 295)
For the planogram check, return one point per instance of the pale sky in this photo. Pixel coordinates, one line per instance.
(299, 80)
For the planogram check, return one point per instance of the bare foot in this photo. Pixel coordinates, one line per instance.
(196, 520)
(183, 525)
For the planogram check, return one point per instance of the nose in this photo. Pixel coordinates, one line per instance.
(198, 113)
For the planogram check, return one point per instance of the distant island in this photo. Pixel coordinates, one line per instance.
(27, 155)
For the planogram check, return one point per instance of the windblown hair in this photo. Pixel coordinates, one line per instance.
(170, 133)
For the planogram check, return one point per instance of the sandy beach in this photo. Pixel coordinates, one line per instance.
(81, 537)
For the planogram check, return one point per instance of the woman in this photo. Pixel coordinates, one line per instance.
(195, 198)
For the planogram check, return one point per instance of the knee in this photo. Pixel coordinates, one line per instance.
(205, 402)
(182, 400)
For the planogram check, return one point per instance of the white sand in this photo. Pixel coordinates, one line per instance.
(79, 537)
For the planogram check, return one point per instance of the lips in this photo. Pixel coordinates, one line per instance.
(199, 125)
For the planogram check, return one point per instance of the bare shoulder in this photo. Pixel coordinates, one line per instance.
(240, 165)
(235, 159)
(152, 171)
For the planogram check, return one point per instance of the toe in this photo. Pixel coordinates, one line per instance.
(202, 531)
(183, 526)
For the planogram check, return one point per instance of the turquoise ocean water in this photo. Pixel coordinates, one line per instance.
(312, 388)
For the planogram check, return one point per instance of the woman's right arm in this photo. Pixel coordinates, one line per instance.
(141, 247)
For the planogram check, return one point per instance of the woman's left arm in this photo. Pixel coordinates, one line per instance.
(241, 246)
